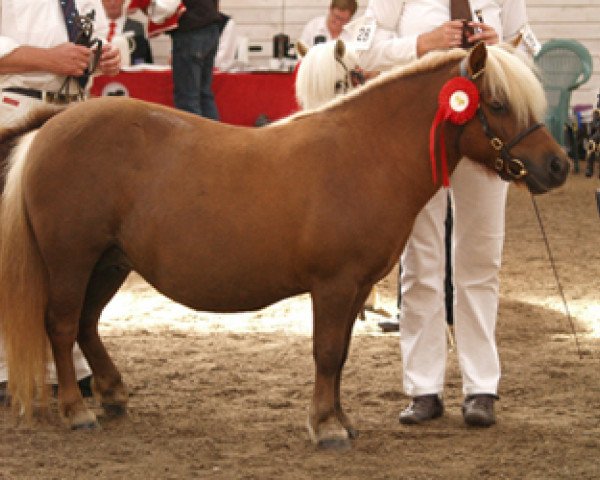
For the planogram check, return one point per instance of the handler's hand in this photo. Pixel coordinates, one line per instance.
(110, 60)
(483, 33)
(447, 35)
(68, 59)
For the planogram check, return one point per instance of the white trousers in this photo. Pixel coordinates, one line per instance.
(13, 107)
(82, 369)
(479, 200)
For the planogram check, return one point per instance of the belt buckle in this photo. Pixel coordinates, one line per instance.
(60, 98)
(54, 97)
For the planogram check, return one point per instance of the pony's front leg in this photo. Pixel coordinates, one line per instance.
(359, 302)
(334, 311)
(62, 331)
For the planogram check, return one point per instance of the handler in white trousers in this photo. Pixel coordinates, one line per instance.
(35, 58)
(478, 198)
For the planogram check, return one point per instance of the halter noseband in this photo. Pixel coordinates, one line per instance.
(505, 163)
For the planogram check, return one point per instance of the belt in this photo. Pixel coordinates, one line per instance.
(45, 95)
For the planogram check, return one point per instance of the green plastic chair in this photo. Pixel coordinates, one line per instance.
(565, 65)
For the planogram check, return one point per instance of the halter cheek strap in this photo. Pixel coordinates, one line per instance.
(349, 76)
(342, 83)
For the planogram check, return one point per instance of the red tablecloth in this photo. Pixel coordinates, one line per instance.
(240, 97)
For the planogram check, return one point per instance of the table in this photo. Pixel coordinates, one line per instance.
(240, 97)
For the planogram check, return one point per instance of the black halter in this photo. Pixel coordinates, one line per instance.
(506, 164)
(350, 76)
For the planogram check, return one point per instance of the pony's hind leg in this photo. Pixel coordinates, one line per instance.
(62, 321)
(335, 309)
(109, 274)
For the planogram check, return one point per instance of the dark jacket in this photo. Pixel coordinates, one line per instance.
(198, 14)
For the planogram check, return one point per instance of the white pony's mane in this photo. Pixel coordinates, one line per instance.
(318, 73)
(509, 78)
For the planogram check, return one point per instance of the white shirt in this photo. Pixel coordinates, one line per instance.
(40, 23)
(318, 26)
(406, 20)
(227, 50)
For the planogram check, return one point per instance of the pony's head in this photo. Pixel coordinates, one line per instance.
(512, 104)
(324, 72)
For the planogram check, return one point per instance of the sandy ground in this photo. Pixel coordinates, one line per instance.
(226, 396)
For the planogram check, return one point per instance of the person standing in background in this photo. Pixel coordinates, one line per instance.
(119, 23)
(38, 55)
(195, 42)
(418, 27)
(194, 29)
(330, 26)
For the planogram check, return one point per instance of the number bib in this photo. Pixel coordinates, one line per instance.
(530, 40)
(363, 31)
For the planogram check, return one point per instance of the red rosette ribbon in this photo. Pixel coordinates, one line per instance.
(458, 101)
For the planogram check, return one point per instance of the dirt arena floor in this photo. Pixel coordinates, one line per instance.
(226, 396)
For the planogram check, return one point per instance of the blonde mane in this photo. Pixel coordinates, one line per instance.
(509, 78)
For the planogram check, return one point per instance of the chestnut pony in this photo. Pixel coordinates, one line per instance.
(225, 219)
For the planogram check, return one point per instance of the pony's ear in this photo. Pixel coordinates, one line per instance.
(301, 49)
(517, 40)
(340, 49)
(477, 59)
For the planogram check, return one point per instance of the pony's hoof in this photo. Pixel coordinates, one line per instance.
(86, 426)
(114, 409)
(331, 435)
(84, 420)
(338, 444)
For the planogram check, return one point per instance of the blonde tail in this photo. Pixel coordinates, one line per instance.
(23, 291)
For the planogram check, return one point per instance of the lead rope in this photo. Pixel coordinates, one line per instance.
(558, 284)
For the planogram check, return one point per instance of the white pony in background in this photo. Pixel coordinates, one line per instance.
(325, 72)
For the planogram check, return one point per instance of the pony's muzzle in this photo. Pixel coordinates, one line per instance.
(558, 169)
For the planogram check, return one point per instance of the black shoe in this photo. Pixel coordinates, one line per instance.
(478, 410)
(85, 386)
(262, 120)
(388, 326)
(392, 325)
(421, 409)
(4, 397)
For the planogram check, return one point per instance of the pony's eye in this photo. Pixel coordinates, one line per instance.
(339, 86)
(497, 107)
